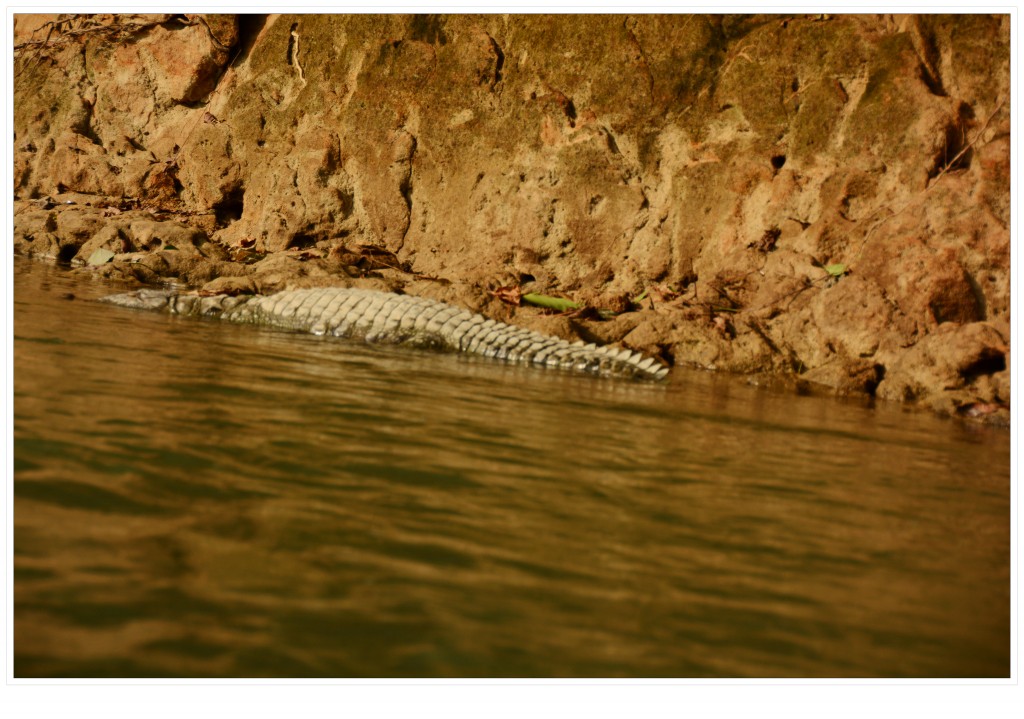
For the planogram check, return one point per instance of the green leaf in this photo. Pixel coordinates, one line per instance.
(100, 256)
(552, 303)
(169, 246)
(836, 270)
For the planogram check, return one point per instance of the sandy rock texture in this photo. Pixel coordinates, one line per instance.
(824, 198)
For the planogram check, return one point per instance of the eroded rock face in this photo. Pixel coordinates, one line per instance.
(712, 166)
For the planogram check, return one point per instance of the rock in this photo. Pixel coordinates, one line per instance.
(730, 157)
(44, 245)
(81, 165)
(847, 376)
(153, 235)
(946, 368)
(230, 286)
(75, 226)
(109, 240)
(183, 63)
(211, 178)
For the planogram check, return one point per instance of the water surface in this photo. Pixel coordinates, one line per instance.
(198, 499)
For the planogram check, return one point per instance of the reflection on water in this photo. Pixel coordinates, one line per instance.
(201, 499)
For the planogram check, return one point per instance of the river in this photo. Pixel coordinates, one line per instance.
(198, 499)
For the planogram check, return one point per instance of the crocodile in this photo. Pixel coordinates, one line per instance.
(388, 318)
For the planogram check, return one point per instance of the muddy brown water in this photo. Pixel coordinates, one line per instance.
(198, 499)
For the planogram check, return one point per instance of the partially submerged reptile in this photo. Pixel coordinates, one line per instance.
(383, 317)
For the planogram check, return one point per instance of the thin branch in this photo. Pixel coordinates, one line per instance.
(934, 182)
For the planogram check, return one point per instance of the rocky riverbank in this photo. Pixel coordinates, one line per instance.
(819, 198)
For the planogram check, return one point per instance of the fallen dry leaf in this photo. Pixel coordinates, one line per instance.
(511, 295)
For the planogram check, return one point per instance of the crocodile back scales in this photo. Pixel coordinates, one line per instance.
(383, 317)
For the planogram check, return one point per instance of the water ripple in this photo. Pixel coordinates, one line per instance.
(199, 499)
